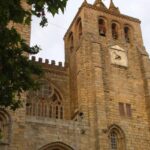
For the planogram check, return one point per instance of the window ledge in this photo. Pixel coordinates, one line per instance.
(55, 122)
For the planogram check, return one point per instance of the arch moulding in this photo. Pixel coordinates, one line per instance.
(56, 146)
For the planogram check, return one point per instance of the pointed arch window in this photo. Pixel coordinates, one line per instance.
(116, 138)
(114, 141)
(102, 27)
(46, 102)
(114, 29)
(71, 41)
(5, 124)
(79, 28)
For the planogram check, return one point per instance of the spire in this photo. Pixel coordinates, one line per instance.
(99, 3)
(85, 2)
(112, 5)
(113, 8)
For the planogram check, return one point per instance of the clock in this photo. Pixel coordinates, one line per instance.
(118, 56)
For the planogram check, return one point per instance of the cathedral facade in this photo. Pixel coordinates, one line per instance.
(100, 98)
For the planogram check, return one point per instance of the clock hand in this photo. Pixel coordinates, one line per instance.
(117, 56)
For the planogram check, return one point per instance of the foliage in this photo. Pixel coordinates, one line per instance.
(16, 70)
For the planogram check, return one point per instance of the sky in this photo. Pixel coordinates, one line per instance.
(50, 38)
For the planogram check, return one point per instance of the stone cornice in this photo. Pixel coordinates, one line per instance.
(114, 14)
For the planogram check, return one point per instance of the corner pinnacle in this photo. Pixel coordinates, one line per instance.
(99, 3)
(113, 8)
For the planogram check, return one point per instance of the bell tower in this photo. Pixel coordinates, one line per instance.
(109, 85)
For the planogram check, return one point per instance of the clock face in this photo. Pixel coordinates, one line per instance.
(118, 56)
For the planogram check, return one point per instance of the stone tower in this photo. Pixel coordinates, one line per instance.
(100, 98)
(109, 77)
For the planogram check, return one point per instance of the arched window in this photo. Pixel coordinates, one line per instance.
(5, 124)
(56, 146)
(79, 28)
(127, 34)
(114, 29)
(102, 27)
(116, 138)
(114, 141)
(46, 102)
(71, 41)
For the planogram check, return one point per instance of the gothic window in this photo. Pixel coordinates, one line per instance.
(71, 41)
(114, 141)
(102, 27)
(127, 34)
(79, 28)
(116, 138)
(46, 102)
(114, 29)
(61, 113)
(4, 127)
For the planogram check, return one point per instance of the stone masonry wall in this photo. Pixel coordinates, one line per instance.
(102, 85)
(46, 131)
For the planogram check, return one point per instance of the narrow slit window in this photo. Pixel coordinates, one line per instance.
(56, 112)
(61, 113)
(50, 111)
(33, 109)
(71, 42)
(45, 111)
(127, 34)
(121, 109)
(39, 109)
(80, 30)
(128, 110)
(114, 31)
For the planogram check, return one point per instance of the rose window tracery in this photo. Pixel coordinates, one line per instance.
(45, 102)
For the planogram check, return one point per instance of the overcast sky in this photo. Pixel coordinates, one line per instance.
(50, 38)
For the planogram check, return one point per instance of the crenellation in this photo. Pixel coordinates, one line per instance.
(60, 64)
(40, 60)
(33, 58)
(53, 62)
(45, 63)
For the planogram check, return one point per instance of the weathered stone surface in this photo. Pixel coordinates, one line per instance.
(92, 85)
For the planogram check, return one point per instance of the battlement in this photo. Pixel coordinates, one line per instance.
(47, 63)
